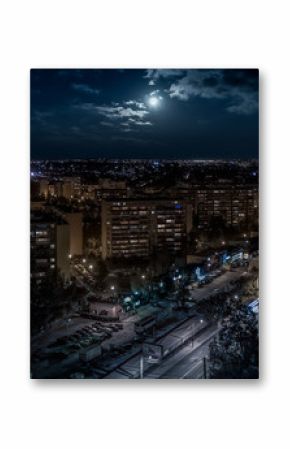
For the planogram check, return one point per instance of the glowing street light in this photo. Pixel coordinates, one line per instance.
(143, 276)
(112, 287)
(84, 260)
(91, 267)
(69, 256)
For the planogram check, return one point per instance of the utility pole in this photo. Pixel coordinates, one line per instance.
(204, 368)
(141, 366)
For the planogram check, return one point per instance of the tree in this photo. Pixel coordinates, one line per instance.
(235, 354)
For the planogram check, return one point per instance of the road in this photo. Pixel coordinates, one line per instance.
(202, 334)
(218, 285)
(188, 362)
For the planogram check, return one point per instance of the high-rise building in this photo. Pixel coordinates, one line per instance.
(49, 247)
(139, 227)
(235, 204)
(75, 221)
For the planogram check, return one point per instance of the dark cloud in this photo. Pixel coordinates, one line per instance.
(155, 74)
(238, 87)
(85, 89)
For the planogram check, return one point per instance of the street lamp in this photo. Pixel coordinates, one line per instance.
(91, 267)
(143, 276)
(112, 287)
(84, 260)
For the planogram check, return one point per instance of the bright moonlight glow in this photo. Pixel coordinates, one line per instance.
(153, 101)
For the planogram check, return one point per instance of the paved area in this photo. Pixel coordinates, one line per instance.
(218, 285)
(174, 339)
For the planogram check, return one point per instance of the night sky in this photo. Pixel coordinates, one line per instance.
(168, 113)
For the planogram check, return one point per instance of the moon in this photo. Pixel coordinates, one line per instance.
(153, 101)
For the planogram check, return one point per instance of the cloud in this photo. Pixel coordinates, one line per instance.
(154, 93)
(156, 74)
(127, 117)
(138, 104)
(244, 104)
(202, 83)
(237, 87)
(138, 122)
(109, 124)
(85, 89)
(119, 112)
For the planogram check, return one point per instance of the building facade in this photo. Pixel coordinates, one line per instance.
(140, 227)
(49, 236)
(236, 205)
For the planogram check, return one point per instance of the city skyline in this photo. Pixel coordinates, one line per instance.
(144, 114)
(144, 227)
